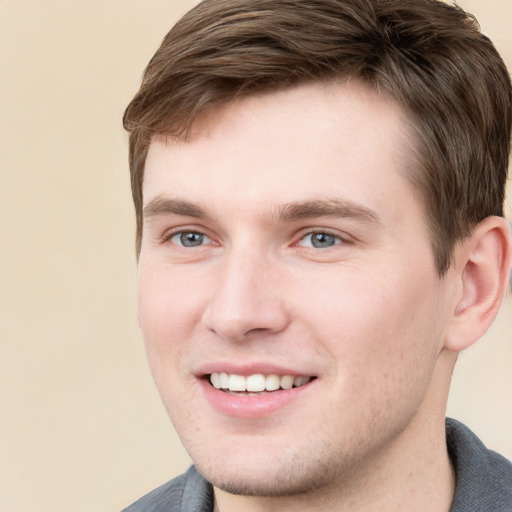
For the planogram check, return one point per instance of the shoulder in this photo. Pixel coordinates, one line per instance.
(189, 492)
(484, 477)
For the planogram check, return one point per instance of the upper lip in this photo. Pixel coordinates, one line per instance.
(247, 369)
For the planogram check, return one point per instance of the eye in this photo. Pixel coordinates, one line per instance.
(190, 239)
(319, 240)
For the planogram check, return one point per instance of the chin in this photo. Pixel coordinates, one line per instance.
(272, 476)
(268, 485)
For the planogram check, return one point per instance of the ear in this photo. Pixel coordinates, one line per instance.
(482, 266)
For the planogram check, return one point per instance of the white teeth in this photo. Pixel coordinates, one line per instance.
(256, 383)
(224, 380)
(237, 383)
(272, 382)
(300, 381)
(215, 380)
(287, 382)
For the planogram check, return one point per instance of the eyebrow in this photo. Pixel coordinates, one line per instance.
(333, 207)
(164, 206)
(289, 212)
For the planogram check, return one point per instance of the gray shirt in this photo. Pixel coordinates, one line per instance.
(484, 481)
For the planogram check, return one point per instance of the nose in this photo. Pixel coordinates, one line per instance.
(248, 299)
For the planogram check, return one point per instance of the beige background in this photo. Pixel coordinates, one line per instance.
(81, 426)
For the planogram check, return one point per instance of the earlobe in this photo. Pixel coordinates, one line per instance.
(482, 265)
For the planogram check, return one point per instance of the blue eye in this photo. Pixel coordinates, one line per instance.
(189, 239)
(319, 240)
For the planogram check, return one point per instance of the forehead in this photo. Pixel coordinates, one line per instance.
(307, 142)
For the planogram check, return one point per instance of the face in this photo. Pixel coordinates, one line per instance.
(288, 297)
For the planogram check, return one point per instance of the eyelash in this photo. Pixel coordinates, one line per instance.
(169, 236)
(338, 239)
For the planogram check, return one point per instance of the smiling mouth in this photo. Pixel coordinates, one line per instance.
(256, 383)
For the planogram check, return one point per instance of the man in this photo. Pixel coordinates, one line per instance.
(319, 188)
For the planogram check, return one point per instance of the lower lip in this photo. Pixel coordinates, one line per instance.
(251, 406)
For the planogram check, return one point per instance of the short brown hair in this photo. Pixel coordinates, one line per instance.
(428, 56)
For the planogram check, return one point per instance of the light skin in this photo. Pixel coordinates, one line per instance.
(284, 238)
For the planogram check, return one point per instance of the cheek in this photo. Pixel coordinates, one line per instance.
(167, 314)
(168, 301)
(166, 319)
(381, 333)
